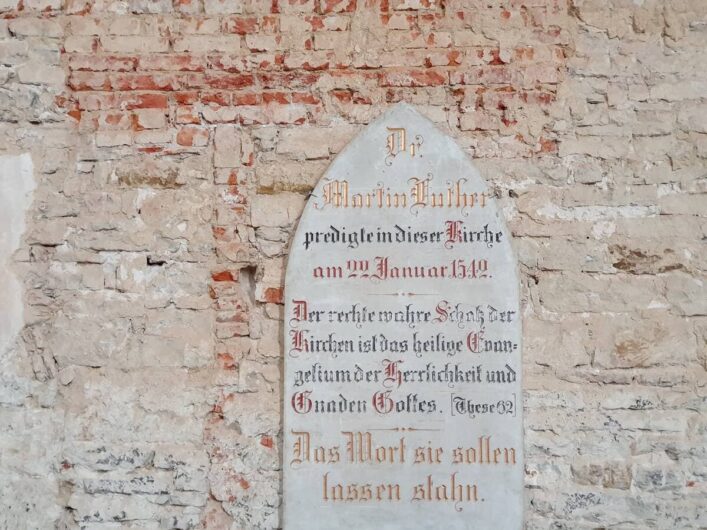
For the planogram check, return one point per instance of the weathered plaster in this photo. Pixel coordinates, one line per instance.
(16, 186)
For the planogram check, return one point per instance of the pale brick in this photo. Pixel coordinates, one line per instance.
(150, 118)
(332, 40)
(222, 7)
(281, 209)
(84, 25)
(677, 91)
(694, 118)
(262, 43)
(113, 138)
(204, 43)
(131, 44)
(298, 6)
(305, 143)
(7, 5)
(80, 43)
(14, 51)
(125, 25)
(37, 74)
(284, 114)
(36, 27)
(43, 5)
(153, 136)
(227, 147)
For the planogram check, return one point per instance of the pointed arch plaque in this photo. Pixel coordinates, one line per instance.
(403, 404)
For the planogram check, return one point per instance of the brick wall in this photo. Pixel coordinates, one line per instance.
(174, 143)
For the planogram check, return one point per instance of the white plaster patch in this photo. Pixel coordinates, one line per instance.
(603, 229)
(668, 189)
(16, 186)
(596, 213)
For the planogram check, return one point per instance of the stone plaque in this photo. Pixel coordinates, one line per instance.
(403, 404)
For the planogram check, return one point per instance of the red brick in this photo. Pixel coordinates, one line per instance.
(245, 98)
(144, 101)
(75, 113)
(223, 276)
(548, 146)
(193, 136)
(276, 97)
(151, 149)
(216, 98)
(227, 361)
(186, 97)
(350, 96)
(316, 22)
(233, 177)
(227, 82)
(495, 57)
(305, 97)
(114, 120)
(241, 25)
(273, 295)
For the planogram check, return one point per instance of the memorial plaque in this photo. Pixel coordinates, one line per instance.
(403, 404)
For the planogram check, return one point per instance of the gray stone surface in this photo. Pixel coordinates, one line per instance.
(402, 343)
